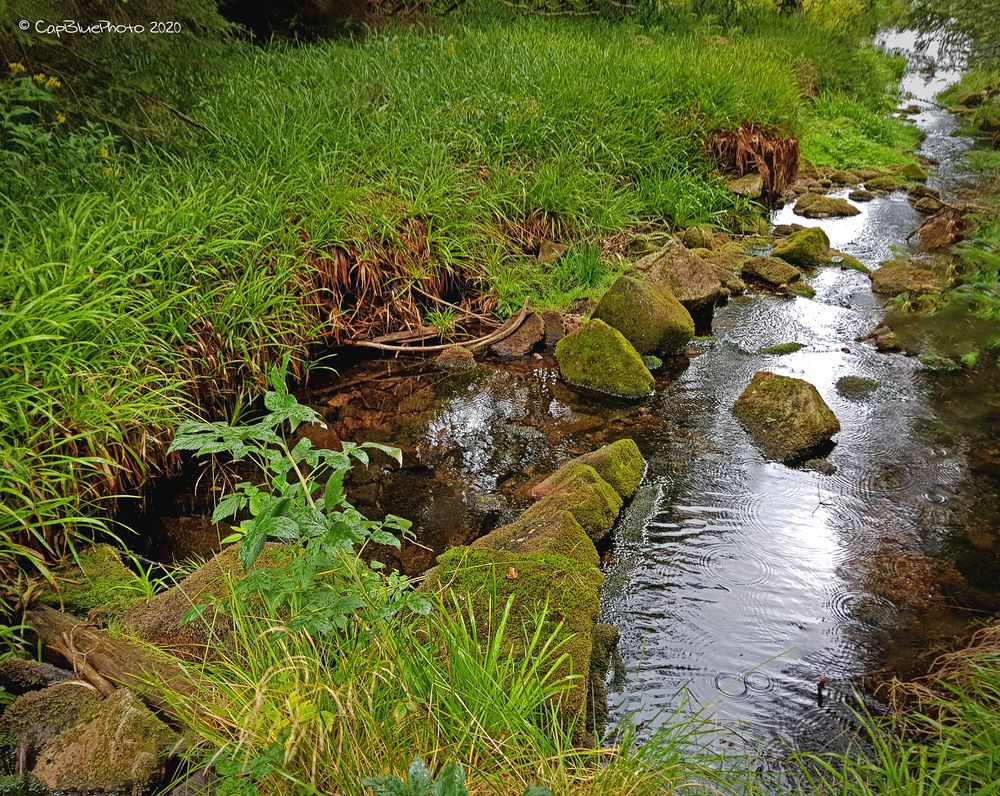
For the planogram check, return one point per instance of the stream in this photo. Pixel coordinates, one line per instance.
(738, 584)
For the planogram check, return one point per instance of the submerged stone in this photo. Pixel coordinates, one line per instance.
(647, 314)
(455, 357)
(782, 348)
(786, 417)
(902, 276)
(855, 387)
(806, 247)
(121, 749)
(814, 205)
(599, 358)
(771, 271)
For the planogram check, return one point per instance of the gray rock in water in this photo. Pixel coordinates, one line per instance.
(856, 387)
(523, 341)
(692, 280)
(121, 749)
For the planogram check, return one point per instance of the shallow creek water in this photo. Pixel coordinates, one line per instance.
(737, 584)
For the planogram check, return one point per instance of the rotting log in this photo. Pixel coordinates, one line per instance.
(106, 662)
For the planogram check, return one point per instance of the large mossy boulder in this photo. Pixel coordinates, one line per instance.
(648, 315)
(770, 271)
(806, 247)
(902, 276)
(121, 749)
(814, 205)
(598, 357)
(692, 280)
(786, 417)
(566, 590)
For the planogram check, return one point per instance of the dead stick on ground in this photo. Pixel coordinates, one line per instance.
(504, 331)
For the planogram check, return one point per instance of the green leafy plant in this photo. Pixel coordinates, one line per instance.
(449, 782)
(315, 578)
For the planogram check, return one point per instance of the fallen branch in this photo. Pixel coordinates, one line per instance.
(103, 661)
(504, 331)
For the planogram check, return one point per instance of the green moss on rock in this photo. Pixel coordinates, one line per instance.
(914, 172)
(697, 237)
(122, 748)
(786, 417)
(848, 262)
(558, 533)
(647, 314)
(886, 183)
(483, 580)
(599, 358)
(603, 647)
(803, 289)
(37, 717)
(855, 387)
(814, 205)
(97, 581)
(578, 489)
(806, 247)
(782, 348)
(771, 271)
(620, 464)
(901, 276)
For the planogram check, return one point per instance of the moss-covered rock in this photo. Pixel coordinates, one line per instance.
(653, 363)
(927, 205)
(647, 314)
(620, 464)
(455, 357)
(603, 647)
(691, 279)
(96, 581)
(159, 620)
(121, 749)
(598, 357)
(578, 489)
(786, 417)
(848, 262)
(750, 186)
(802, 288)
(806, 247)
(814, 205)
(782, 348)
(32, 720)
(483, 581)
(771, 271)
(886, 183)
(557, 532)
(697, 238)
(861, 195)
(914, 172)
(902, 276)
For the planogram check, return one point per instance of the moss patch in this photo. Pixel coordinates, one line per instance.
(855, 387)
(599, 358)
(39, 716)
(96, 581)
(803, 289)
(807, 246)
(814, 205)
(559, 533)
(483, 580)
(782, 348)
(771, 271)
(786, 417)
(648, 315)
(620, 464)
(886, 183)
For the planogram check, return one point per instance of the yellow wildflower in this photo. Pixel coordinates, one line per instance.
(53, 82)
(40, 78)
(110, 172)
(60, 117)
(16, 68)
(104, 152)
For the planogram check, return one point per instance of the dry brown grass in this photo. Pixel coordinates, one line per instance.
(752, 149)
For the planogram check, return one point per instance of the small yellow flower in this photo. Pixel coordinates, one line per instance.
(104, 152)
(40, 78)
(53, 83)
(109, 171)
(16, 68)
(60, 117)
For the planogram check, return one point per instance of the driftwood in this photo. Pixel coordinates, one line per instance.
(504, 331)
(106, 662)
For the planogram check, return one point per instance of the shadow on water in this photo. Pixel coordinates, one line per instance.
(738, 584)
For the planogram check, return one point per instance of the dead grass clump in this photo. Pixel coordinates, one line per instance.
(752, 149)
